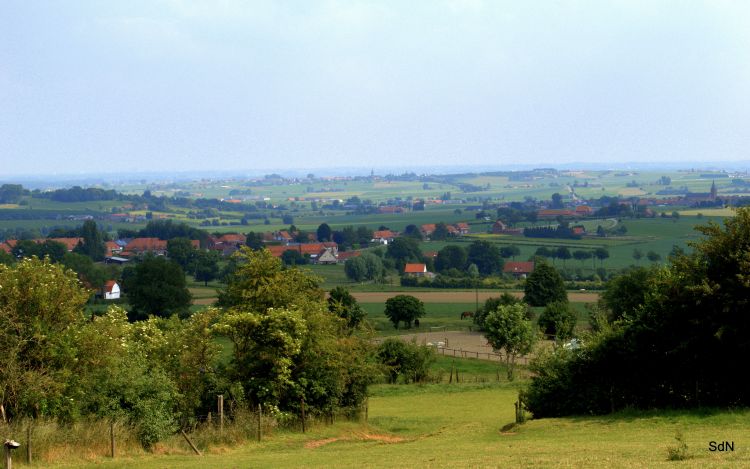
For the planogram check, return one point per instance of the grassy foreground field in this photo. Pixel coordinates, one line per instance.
(460, 426)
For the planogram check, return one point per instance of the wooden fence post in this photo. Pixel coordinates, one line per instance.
(112, 439)
(28, 443)
(302, 406)
(221, 414)
(192, 446)
(8, 459)
(260, 416)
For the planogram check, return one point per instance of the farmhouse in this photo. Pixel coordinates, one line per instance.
(501, 228)
(427, 229)
(311, 250)
(345, 255)
(111, 290)
(416, 270)
(463, 228)
(143, 245)
(326, 257)
(383, 236)
(112, 248)
(518, 269)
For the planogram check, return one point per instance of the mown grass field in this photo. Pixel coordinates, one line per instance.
(464, 426)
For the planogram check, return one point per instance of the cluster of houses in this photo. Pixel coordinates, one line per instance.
(517, 270)
(427, 230)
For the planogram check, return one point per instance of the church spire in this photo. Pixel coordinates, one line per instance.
(713, 190)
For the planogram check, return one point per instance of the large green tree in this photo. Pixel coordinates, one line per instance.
(404, 308)
(260, 281)
(182, 251)
(287, 345)
(40, 303)
(544, 285)
(324, 232)
(450, 257)
(486, 256)
(156, 286)
(404, 250)
(558, 319)
(625, 293)
(206, 266)
(344, 305)
(92, 242)
(508, 329)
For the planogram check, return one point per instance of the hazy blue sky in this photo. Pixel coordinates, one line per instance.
(91, 86)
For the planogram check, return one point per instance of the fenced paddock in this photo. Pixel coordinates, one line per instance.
(459, 344)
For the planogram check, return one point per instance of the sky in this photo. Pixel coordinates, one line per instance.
(170, 85)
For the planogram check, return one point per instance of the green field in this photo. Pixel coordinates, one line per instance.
(467, 425)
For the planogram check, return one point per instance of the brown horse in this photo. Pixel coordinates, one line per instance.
(467, 314)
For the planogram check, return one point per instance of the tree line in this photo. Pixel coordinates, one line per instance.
(288, 345)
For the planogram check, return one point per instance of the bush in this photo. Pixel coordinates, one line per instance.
(558, 319)
(405, 359)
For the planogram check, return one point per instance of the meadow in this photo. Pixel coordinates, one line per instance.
(470, 425)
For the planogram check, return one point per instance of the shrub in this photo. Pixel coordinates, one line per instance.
(558, 319)
(405, 359)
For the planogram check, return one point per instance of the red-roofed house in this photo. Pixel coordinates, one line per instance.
(427, 229)
(416, 270)
(112, 248)
(518, 269)
(143, 245)
(499, 227)
(314, 250)
(383, 236)
(233, 238)
(463, 228)
(70, 243)
(111, 290)
(283, 236)
(579, 230)
(344, 255)
(4, 246)
(584, 210)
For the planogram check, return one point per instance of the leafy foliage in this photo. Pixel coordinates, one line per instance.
(405, 359)
(544, 285)
(671, 349)
(508, 329)
(558, 319)
(344, 305)
(404, 308)
(486, 256)
(156, 286)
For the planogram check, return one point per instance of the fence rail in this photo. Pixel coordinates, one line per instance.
(461, 353)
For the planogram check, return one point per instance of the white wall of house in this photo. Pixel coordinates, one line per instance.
(114, 294)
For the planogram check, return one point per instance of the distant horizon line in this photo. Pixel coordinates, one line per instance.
(380, 170)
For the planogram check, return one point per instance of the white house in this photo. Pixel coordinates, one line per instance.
(111, 290)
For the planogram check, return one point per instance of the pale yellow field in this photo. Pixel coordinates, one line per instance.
(710, 212)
